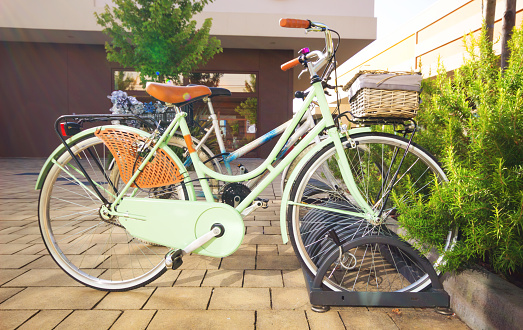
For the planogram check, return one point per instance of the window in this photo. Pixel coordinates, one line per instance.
(127, 81)
(235, 82)
(237, 114)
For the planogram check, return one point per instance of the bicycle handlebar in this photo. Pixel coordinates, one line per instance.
(295, 23)
(322, 57)
(291, 64)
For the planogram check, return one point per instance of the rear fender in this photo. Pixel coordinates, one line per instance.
(59, 152)
(61, 149)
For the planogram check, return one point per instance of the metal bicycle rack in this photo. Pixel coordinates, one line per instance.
(321, 297)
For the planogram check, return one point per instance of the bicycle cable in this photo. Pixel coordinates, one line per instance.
(338, 102)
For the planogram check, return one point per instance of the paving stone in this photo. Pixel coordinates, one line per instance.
(45, 320)
(271, 230)
(14, 216)
(89, 320)
(290, 298)
(28, 239)
(7, 275)
(15, 261)
(293, 278)
(407, 318)
(6, 293)
(12, 319)
(263, 279)
(12, 248)
(167, 279)
(9, 229)
(262, 239)
(33, 249)
(223, 277)
(43, 277)
(134, 299)
(238, 262)
(54, 298)
(266, 217)
(245, 250)
(197, 319)
(277, 262)
(260, 223)
(133, 319)
(179, 298)
(330, 320)
(270, 319)
(240, 299)
(190, 277)
(253, 230)
(39, 262)
(267, 250)
(361, 318)
(286, 250)
(33, 230)
(200, 262)
(249, 217)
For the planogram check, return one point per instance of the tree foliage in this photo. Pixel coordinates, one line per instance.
(249, 108)
(158, 38)
(473, 122)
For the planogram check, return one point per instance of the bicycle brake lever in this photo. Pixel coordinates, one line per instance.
(302, 72)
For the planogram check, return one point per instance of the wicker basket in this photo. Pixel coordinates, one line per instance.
(374, 103)
(382, 94)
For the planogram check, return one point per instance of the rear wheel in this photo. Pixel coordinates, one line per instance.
(94, 249)
(325, 215)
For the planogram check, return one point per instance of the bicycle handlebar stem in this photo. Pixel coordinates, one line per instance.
(323, 57)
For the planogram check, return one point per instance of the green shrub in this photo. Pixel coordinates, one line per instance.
(473, 123)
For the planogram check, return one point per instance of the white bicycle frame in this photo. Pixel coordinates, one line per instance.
(306, 124)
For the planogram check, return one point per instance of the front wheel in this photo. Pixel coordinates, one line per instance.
(95, 250)
(323, 214)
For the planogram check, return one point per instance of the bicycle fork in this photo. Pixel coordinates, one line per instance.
(341, 157)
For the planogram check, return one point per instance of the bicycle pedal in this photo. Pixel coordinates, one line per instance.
(174, 261)
(265, 202)
(242, 168)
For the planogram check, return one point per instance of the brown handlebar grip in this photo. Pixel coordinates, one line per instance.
(295, 23)
(291, 64)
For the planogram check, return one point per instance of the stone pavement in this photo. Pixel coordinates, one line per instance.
(259, 287)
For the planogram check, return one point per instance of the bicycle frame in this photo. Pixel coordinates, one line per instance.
(202, 171)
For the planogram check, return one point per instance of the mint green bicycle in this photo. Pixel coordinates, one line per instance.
(119, 232)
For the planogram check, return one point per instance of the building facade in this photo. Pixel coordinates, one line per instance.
(53, 61)
(434, 36)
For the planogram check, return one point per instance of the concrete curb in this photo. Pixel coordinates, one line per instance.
(485, 301)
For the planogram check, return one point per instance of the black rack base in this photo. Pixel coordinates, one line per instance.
(322, 297)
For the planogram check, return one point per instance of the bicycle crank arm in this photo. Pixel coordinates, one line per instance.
(173, 259)
(216, 231)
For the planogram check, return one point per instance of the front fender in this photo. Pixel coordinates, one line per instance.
(288, 186)
(61, 149)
